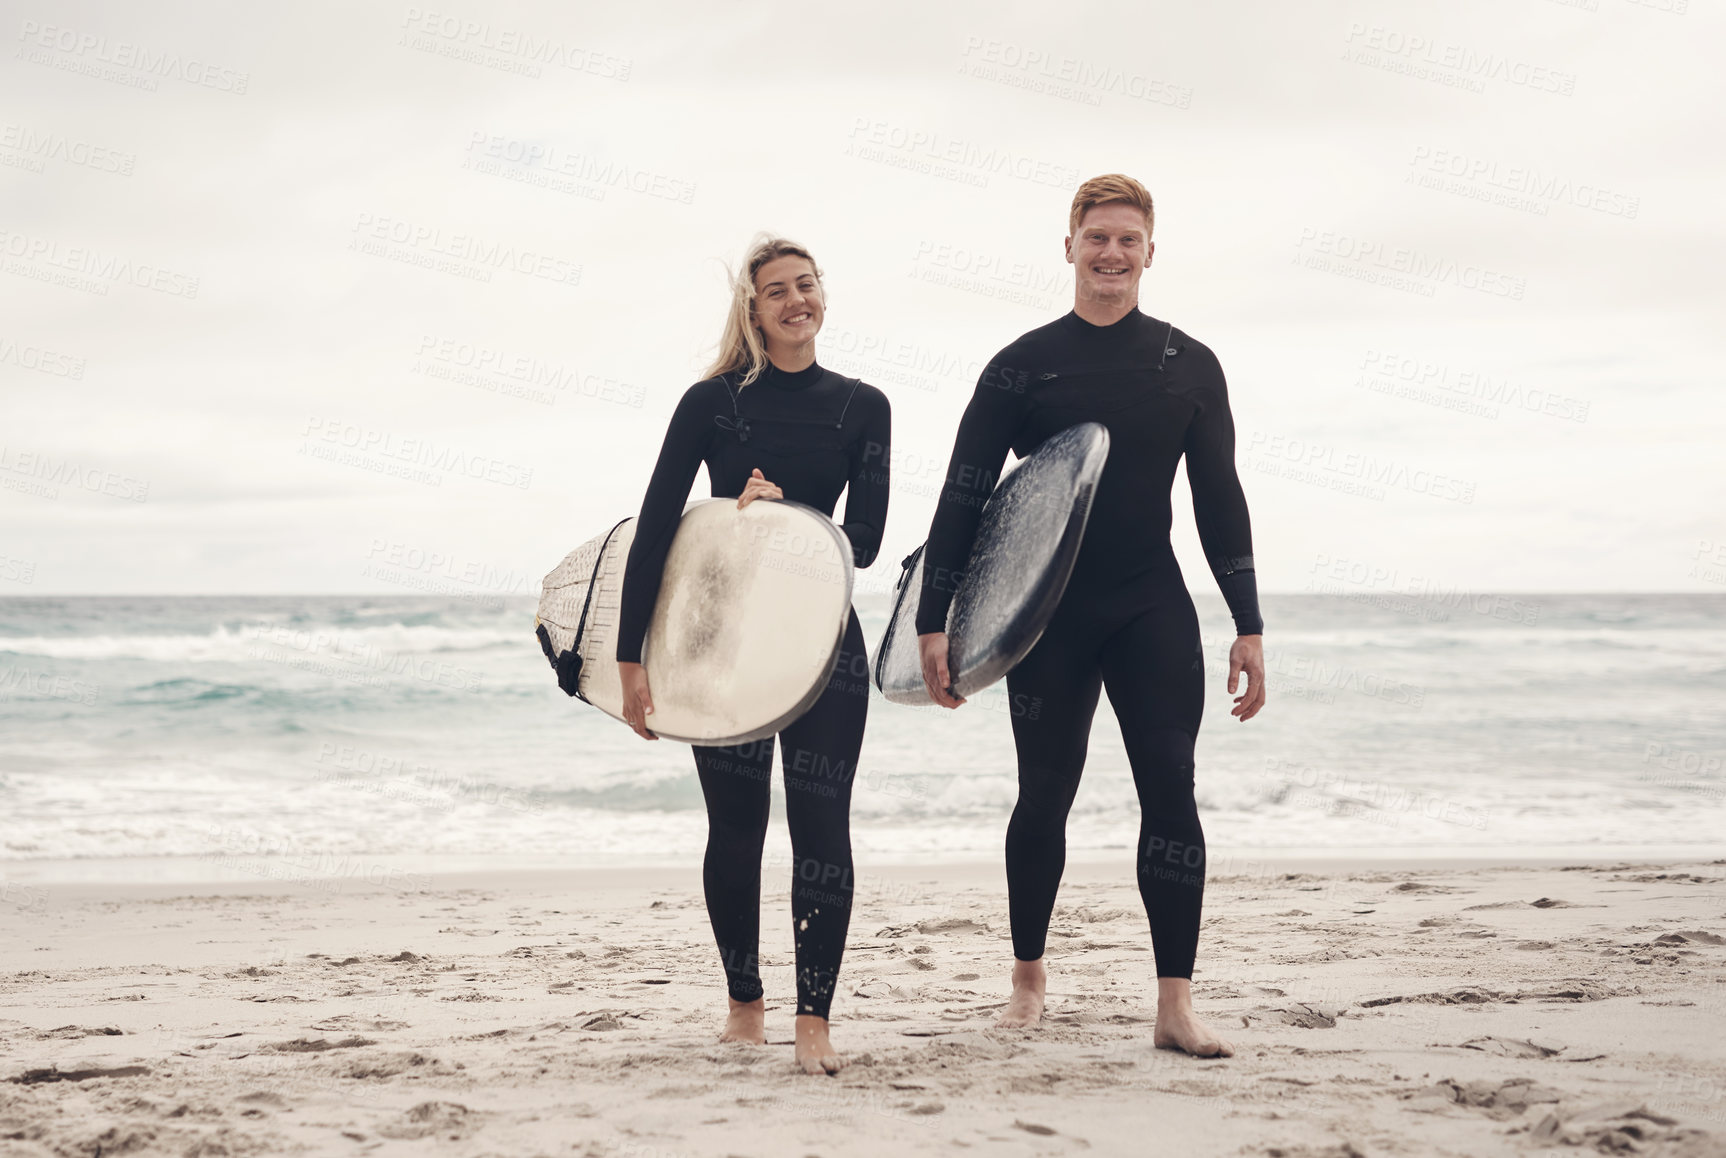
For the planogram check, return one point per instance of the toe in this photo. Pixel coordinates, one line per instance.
(1214, 1047)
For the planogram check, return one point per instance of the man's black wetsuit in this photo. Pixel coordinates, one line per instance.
(1126, 621)
(813, 434)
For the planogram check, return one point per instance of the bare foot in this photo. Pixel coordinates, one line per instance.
(1178, 1027)
(1025, 1007)
(815, 1053)
(1184, 1031)
(746, 1022)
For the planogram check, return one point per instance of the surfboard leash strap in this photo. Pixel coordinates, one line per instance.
(906, 567)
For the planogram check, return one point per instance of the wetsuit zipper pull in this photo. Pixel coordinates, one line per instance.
(1046, 375)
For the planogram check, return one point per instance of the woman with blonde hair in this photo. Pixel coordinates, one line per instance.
(771, 423)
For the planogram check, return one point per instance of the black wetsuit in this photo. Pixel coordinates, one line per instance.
(813, 434)
(1126, 621)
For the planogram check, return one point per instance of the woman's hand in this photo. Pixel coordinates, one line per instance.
(637, 699)
(758, 488)
(1247, 654)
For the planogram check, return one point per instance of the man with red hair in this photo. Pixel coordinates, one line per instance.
(1126, 621)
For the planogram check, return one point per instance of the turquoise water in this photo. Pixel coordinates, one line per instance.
(327, 727)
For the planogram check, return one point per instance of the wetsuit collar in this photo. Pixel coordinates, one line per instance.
(792, 379)
(1120, 331)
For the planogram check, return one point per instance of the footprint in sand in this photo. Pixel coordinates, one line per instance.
(428, 1118)
(319, 1045)
(1512, 1047)
(66, 1031)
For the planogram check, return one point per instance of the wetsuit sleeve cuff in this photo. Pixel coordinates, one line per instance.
(1241, 592)
(865, 542)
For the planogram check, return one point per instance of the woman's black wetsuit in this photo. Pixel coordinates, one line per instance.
(813, 434)
(1126, 621)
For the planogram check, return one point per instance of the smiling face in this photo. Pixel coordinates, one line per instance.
(1110, 252)
(789, 305)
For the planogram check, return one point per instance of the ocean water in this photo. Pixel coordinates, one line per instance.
(337, 733)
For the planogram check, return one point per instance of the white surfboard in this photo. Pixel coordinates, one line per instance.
(1027, 542)
(752, 610)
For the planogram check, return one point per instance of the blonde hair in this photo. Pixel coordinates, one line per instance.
(740, 346)
(1111, 187)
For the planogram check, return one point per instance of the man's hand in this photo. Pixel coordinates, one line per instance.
(1247, 654)
(637, 699)
(757, 488)
(933, 650)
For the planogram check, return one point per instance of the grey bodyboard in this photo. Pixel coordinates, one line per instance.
(1026, 545)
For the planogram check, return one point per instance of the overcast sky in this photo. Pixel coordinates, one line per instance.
(340, 297)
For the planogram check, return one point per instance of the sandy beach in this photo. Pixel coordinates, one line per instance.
(1445, 1008)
